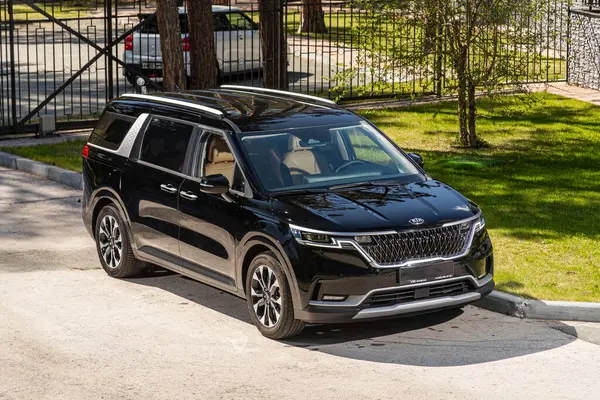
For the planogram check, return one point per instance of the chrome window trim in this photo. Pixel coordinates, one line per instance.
(126, 145)
(167, 100)
(158, 167)
(357, 300)
(338, 243)
(282, 92)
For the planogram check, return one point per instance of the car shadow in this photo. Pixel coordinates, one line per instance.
(446, 338)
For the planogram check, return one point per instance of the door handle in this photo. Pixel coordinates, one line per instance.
(168, 188)
(188, 195)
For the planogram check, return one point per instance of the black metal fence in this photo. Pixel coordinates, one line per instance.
(68, 58)
(591, 5)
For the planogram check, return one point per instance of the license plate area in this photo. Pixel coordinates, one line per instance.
(426, 273)
(152, 65)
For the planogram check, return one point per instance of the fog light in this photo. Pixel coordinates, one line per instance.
(330, 297)
(363, 239)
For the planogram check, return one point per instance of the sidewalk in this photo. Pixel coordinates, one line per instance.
(572, 92)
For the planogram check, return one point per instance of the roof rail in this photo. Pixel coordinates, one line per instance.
(167, 100)
(282, 92)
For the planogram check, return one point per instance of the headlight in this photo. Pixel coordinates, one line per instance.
(312, 237)
(479, 224)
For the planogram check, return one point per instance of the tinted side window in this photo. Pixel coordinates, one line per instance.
(239, 22)
(221, 22)
(150, 24)
(165, 143)
(111, 130)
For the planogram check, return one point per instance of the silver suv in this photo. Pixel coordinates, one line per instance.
(237, 43)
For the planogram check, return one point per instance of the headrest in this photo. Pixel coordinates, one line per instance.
(296, 144)
(219, 152)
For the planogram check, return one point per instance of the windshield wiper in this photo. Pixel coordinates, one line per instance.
(387, 182)
(299, 191)
(351, 185)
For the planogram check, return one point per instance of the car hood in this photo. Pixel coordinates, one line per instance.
(373, 208)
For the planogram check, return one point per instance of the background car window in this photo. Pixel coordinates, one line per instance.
(239, 22)
(221, 22)
(165, 143)
(150, 24)
(111, 130)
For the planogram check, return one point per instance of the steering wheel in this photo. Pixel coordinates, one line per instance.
(349, 163)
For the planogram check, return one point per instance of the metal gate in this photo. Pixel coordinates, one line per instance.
(62, 58)
(66, 58)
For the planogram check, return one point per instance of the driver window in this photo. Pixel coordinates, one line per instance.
(218, 158)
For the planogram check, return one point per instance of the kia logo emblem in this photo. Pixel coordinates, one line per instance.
(416, 221)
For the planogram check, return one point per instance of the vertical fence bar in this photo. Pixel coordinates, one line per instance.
(13, 76)
(109, 62)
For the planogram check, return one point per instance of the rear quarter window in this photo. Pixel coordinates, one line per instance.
(110, 130)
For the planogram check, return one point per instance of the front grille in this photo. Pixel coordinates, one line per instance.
(397, 248)
(400, 295)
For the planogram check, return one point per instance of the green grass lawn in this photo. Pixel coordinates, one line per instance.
(23, 12)
(538, 184)
(65, 155)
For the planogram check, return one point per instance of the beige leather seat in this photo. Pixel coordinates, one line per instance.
(302, 160)
(219, 159)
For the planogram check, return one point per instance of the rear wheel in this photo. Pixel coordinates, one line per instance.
(269, 298)
(113, 246)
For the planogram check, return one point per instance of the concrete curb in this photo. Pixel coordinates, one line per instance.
(56, 174)
(516, 306)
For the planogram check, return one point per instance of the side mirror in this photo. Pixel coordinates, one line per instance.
(417, 158)
(214, 184)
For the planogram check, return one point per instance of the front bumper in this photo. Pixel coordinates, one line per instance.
(357, 308)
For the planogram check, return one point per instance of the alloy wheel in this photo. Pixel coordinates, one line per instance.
(111, 244)
(266, 296)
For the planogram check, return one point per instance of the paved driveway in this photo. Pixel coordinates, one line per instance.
(68, 331)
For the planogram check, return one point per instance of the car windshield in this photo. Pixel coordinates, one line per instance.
(324, 157)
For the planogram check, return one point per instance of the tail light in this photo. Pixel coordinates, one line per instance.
(186, 44)
(129, 43)
(86, 151)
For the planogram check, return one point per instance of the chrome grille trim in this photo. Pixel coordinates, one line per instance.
(346, 238)
(401, 247)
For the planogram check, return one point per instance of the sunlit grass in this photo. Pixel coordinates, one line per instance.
(538, 184)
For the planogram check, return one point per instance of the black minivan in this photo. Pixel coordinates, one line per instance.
(304, 209)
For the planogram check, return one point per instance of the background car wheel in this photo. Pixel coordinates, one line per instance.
(112, 243)
(269, 298)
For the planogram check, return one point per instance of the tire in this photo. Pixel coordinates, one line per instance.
(113, 244)
(279, 298)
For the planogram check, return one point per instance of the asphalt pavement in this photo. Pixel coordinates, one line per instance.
(68, 331)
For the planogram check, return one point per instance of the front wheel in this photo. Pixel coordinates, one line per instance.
(269, 298)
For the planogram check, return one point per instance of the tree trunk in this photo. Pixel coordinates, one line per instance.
(313, 18)
(473, 140)
(221, 2)
(170, 45)
(274, 48)
(463, 136)
(203, 61)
